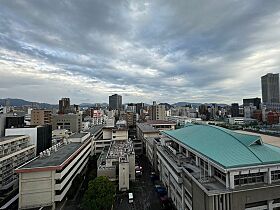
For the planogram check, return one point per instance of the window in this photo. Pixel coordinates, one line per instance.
(245, 179)
(220, 175)
(275, 175)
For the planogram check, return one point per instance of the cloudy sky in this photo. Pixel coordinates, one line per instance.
(187, 50)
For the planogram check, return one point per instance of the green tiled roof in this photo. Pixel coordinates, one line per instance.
(225, 147)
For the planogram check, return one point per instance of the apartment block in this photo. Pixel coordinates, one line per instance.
(41, 117)
(40, 136)
(14, 151)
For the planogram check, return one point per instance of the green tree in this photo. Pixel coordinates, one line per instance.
(100, 194)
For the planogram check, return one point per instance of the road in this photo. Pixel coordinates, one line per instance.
(145, 197)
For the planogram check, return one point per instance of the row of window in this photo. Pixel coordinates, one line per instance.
(244, 179)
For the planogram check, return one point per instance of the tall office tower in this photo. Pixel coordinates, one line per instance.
(64, 106)
(115, 102)
(234, 110)
(270, 88)
(255, 101)
(139, 107)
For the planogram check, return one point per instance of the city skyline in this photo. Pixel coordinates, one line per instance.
(189, 51)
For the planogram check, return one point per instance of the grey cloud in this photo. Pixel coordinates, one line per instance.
(189, 46)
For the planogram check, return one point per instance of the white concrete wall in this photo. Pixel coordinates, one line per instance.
(107, 133)
(36, 189)
(120, 135)
(123, 176)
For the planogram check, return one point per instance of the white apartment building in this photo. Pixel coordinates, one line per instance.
(14, 151)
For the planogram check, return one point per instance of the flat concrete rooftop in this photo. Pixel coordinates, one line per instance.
(78, 135)
(55, 159)
(144, 127)
(95, 129)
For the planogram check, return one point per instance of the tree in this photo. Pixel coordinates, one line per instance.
(100, 194)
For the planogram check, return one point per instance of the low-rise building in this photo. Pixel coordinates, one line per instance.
(45, 180)
(143, 131)
(211, 168)
(162, 124)
(240, 120)
(183, 120)
(118, 163)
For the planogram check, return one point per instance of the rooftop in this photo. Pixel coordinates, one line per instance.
(95, 129)
(160, 122)
(55, 159)
(227, 148)
(78, 135)
(144, 127)
(5, 138)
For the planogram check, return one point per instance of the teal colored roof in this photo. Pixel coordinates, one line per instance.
(225, 147)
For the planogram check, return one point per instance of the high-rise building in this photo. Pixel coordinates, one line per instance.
(41, 117)
(64, 106)
(270, 88)
(157, 112)
(115, 102)
(234, 110)
(255, 101)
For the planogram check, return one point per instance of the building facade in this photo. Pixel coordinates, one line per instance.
(40, 136)
(14, 151)
(254, 101)
(41, 117)
(64, 106)
(46, 180)
(115, 102)
(71, 122)
(206, 167)
(157, 112)
(118, 163)
(270, 88)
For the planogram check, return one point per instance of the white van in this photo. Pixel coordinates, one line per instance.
(130, 197)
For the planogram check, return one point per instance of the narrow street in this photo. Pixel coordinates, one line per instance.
(144, 195)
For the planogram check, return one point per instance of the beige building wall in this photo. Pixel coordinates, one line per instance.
(41, 117)
(123, 176)
(131, 158)
(71, 122)
(36, 189)
(120, 134)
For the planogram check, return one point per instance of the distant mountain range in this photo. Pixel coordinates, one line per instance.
(21, 102)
